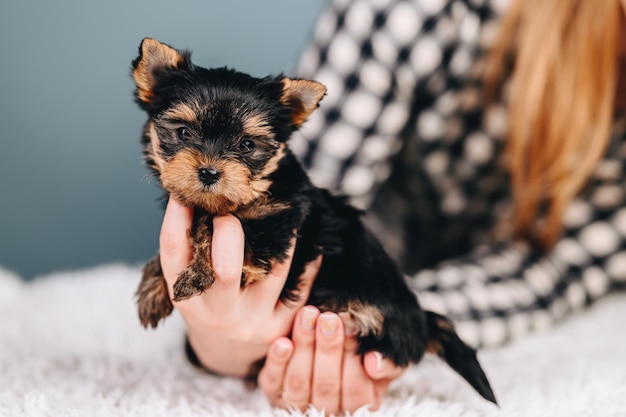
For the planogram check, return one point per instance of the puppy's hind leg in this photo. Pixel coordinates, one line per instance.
(444, 342)
(153, 299)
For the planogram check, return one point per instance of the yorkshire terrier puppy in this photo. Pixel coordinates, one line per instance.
(217, 141)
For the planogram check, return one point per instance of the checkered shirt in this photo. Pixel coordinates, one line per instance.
(403, 131)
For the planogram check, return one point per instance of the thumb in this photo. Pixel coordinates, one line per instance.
(227, 249)
(174, 246)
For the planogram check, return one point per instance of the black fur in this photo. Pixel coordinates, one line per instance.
(355, 269)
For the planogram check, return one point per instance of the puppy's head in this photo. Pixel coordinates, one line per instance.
(214, 136)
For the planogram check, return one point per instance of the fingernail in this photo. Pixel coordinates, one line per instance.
(328, 321)
(379, 360)
(308, 318)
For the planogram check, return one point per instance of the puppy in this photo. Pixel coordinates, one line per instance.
(217, 141)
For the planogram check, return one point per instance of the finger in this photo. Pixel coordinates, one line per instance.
(357, 389)
(379, 368)
(306, 281)
(326, 385)
(272, 375)
(297, 383)
(227, 254)
(174, 246)
(382, 371)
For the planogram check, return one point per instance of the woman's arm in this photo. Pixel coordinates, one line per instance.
(503, 291)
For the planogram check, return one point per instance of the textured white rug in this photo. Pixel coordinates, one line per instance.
(71, 345)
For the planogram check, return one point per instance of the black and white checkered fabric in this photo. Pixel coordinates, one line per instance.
(403, 131)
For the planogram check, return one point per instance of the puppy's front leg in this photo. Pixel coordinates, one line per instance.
(198, 276)
(153, 300)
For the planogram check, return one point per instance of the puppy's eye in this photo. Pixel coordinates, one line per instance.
(247, 145)
(183, 133)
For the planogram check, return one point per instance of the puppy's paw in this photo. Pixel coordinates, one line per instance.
(192, 282)
(362, 319)
(153, 301)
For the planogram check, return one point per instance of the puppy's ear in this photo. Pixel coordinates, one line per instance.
(444, 342)
(302, 96)
(153, 56)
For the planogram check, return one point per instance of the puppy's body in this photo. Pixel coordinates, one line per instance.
(216, 139)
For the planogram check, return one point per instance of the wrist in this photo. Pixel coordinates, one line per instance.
(220, 359)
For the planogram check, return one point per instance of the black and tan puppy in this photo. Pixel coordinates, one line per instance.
(216, 139)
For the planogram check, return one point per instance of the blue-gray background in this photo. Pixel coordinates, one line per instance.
(73, 190)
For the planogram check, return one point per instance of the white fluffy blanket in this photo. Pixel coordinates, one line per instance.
(71, 345)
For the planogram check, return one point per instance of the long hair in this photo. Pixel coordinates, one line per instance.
(563, 60)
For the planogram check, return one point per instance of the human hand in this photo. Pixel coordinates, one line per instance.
(321, 367)
(229, 327)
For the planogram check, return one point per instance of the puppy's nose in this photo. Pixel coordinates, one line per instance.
(208, 176)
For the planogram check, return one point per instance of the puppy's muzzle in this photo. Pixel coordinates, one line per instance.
(208, 176)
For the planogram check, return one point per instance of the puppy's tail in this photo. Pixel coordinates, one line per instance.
(444, 342)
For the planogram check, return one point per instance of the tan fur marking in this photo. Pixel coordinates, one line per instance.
(155, 152)
(363, 319)
(369, 319)
(262, 184)
(434, 347)
(272, 164)
(198, 276)
(445, 325)
(182, 111)
(303, 96)
(233, 190)
(252, 273)
(262, 205)
(261, 208)
(257, 126)
(154, 54)
(153, 301)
